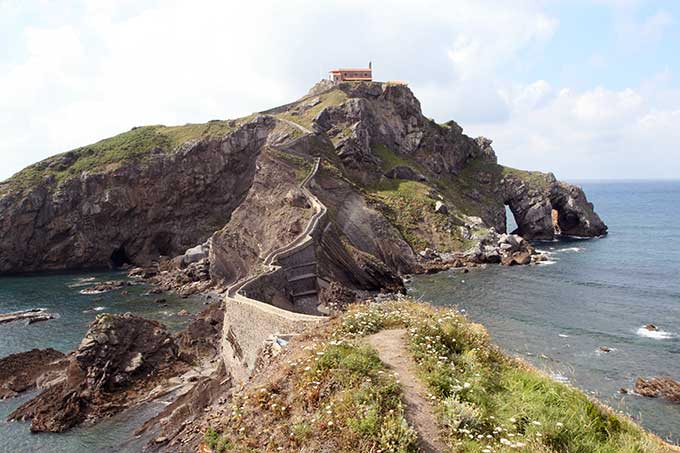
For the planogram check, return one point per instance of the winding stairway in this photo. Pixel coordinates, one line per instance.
(250, 322)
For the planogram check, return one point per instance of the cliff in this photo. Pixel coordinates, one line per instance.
(394, 182)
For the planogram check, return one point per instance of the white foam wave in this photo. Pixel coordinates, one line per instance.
(85, 281)
(89, 292)
(546, 262)
(559, 377)
(563, 335)
(655, 334)
(99, 308)
(571, 249)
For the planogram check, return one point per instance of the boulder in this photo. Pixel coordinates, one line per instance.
(404, 172)
(441, 208)
(518, 258)
(195, 254)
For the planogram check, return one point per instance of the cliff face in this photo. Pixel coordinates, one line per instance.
(395, 183)
(130, 211)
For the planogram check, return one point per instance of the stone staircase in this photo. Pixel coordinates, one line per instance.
(248, 321)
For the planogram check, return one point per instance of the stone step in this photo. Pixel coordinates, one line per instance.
(301, 277)
(305, 293)
(296, 266)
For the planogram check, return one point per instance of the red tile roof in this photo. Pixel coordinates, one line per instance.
(350, 70)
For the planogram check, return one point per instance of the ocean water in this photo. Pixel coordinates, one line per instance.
(60, 294)
(592, 293)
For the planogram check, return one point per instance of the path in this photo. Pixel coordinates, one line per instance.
(391, 347)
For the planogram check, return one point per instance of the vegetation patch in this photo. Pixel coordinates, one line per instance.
(330, 392)
(335, 395)
(407, 205)
(390, 159)
(136, 145)
(488, 402)
(304, 115)
(302, 166)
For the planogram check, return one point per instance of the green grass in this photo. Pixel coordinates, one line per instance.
(305, 118)
(331, 392)
(535, 179)
(135, 145)
(336, 393)
(407, 205)
(390, 159)
(485, 398)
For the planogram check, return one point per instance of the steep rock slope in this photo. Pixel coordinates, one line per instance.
(159, 199)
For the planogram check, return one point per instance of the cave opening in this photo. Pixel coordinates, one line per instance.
(119, 257)
(163, 243)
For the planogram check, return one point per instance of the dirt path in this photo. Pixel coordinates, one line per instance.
(391, 347)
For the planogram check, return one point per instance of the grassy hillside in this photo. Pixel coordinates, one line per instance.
(135, 145)
(332, 393)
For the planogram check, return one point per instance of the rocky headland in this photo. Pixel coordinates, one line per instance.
(291, 214)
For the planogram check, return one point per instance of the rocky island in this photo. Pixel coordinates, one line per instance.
(292, 215)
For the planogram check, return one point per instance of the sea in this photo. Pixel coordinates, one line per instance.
(557, 315)
(61, 295)
(591, 294)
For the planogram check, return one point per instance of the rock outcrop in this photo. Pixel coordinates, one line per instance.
(545, 208)
(132, 211)
(119, 361)
(658, 387)
(301, 207)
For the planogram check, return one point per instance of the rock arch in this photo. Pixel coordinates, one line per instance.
(547, 208)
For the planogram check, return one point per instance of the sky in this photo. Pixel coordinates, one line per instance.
(582, 88)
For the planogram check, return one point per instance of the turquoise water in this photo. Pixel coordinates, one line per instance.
(595, 293)
(60, 294)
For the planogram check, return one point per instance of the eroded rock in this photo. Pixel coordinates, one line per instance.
(120, 359)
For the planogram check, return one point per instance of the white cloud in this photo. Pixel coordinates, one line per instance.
(592, 133)
(107, 66)
(99, 68)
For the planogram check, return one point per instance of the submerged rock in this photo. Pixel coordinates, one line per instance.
(30, 316)
(105, 287)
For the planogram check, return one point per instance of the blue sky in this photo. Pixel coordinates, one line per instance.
(583, 88)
